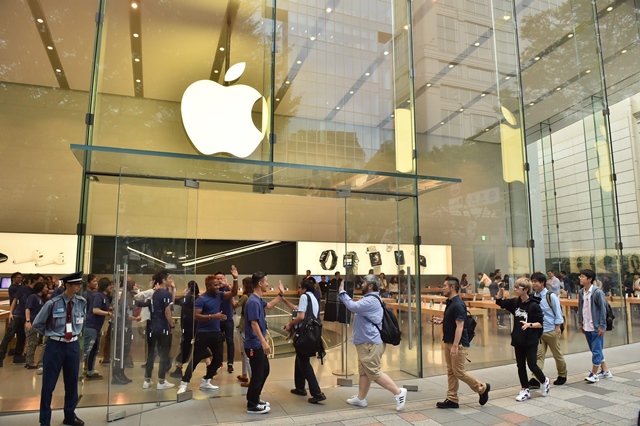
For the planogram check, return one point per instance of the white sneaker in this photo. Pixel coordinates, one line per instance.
(593, 378)
(264, 403)
(146, 385)
(354, 400)
(205, 384)
(524, 395)
(39, 371)
(544, 388)
(604, 374)
(260, 409)
(183, 387)
(165, 385)
(402, 398)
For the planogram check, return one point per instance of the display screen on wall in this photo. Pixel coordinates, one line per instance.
(182, 256)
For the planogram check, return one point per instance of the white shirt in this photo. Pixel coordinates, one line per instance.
(587, 318)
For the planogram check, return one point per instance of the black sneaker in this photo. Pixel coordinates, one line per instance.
(534, 384)
(560, 381)
(259, 409)
(447, 404)
(94, 376)
(230, 368)
(299, 392)
(317, 398)
(484, 396)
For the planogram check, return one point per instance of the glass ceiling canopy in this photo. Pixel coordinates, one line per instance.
(259, 176)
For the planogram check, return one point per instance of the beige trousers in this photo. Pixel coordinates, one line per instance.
(551, 340)
(455, 372)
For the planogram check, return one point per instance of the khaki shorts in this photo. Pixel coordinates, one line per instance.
(369, 355)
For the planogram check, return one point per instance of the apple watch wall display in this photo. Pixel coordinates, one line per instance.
(374, 256)
(324, 257)
(399, 254)
(422, 261)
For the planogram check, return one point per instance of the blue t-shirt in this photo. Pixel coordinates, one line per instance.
(254, 310)
(210, 305)
(159, 301)
(34, 304)
(227, 307)
(22, 295)
(100, 301)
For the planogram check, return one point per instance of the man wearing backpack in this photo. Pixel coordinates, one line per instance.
(592, 318)
(303, 370)
(367, 323)
(455, 345)
(551, 329)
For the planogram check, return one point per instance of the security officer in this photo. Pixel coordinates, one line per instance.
(61, 320)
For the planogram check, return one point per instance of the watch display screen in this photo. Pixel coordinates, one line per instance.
(375, 258)
(324, 255)
(399, 257)
(423, 261)
(347, 261)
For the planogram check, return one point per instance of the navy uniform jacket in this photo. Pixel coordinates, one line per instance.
(52, 318)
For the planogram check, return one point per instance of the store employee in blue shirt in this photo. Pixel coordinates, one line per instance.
(61, 320)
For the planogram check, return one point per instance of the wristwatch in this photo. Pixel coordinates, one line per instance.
(323, 260)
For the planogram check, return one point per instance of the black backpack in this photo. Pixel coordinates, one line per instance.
(308, 337)
(608, 312)
(390, 331)
(470, 324)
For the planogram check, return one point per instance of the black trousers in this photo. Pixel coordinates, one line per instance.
(303, 371)
(128, 339)
(528, 356)
(16, 327)
(227, 329)
(161, 343)
(207, 343)
(185, 344)
(66, 357)
(259, 373)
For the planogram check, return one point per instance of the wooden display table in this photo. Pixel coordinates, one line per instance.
(428, 312)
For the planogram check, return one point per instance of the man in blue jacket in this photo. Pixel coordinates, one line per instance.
(592, 318)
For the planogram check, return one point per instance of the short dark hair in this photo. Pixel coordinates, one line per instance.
(158, 277)
(15, 274)
(220, 273)
(90, 277)
(538, 276)
(103, 284)
(551, 270)
(308, 285)
(453, 282)
(589, 274)
(256, 278)
(37, 288)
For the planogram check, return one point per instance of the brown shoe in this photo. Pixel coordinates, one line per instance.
(242, 377)
(244, 384)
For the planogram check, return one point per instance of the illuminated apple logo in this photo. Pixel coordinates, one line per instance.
(218, 118)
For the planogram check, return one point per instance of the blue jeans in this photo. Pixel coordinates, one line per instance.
(91, 346)
(596, 343)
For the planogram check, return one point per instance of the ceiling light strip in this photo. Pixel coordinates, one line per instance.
(135, 36)
(40, 21)
(222, 255)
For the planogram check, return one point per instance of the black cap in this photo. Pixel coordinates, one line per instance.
(75, 278)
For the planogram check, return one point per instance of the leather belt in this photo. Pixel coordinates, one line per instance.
(62, 339)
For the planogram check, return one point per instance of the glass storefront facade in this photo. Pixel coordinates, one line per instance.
(470, 135)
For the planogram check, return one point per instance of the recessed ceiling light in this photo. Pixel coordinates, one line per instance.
(461, 109)
(367, 74)
(222, 49)
(293, 28)
(328, 10)
(351, 91)
(428, 84)
(136, 35)
(477, 43)
(406, 27)
(287, 82)
(532, 103)
(58, 70)
(442, 122)
(623, 51)
(386, 53)
(277, 99)
(508, 77)
(134, 5)
(312, 38)
(610, 8)
(537, 58)
(40, 20)
(570, 35)
(587, 71)
(50, 47)
(486, 130)
(337, 107)
(137, 59)
(558, 88)
(451, 65)
(298, 62)
(483, 95)
(392, 115)
(138, 80)
(215, 71)
(506, 17)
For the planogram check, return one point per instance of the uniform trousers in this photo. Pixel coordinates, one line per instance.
(66, 357)
(207, 343)
(16, 327)
(259, 372)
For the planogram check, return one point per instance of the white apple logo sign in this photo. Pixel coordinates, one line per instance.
(218, 118)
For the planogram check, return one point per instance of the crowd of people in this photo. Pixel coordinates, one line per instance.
(54, 318)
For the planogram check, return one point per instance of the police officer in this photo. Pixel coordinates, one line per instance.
(61, 320)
